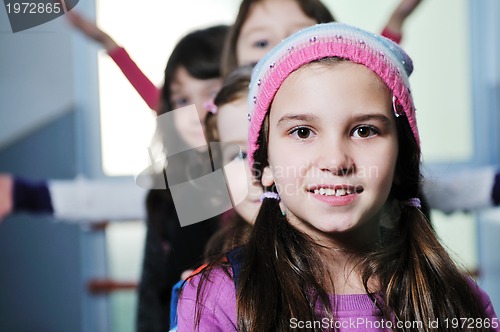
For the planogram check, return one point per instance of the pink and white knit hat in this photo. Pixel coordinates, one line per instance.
(381, 55)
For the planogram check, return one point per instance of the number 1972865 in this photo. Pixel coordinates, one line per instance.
(33, 8)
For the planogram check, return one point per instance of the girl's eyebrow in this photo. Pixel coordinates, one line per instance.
(296, 117)
(311, 117)
(372, 116)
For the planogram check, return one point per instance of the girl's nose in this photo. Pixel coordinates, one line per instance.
(335, 157)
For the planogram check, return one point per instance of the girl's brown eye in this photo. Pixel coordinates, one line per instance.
(363, 132)
(301, 133)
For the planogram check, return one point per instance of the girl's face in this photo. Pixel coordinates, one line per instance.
(268, 23)
(232, 124)
(184, 91)
(333, 147)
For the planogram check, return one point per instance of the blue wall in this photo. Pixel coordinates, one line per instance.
(40, 260)
(41, 282)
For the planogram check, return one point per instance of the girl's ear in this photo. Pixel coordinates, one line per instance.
(267, 177)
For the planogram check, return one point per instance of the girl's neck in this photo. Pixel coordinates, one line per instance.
(343, 257)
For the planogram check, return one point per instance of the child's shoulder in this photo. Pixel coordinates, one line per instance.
(211, 294)
(483, 298)
(211, 278)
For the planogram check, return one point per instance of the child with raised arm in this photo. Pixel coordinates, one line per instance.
(333, 140)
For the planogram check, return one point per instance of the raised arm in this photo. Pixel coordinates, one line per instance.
(142, 84)
(91, 30)
(394, 26)
(72, 200)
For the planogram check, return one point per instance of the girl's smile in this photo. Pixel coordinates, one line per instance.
(335, 195)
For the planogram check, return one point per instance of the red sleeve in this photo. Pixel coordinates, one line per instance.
(146, 89)
(395, 37)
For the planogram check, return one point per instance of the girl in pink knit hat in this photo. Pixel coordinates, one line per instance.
(333, 141)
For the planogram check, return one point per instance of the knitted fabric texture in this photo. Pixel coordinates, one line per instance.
(377, 53)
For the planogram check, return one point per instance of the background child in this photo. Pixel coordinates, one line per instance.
(191, 77)
(262, 24)
(333, 135)
(227, 127)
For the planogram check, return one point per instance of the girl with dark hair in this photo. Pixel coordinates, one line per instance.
(262, 24)
(192, 76)
(333, 140)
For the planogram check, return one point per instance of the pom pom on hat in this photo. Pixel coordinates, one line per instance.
(387, 59)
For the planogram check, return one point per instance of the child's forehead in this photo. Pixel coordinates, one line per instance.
(183, 79)
(232, 117)
(234, 110)
(341, 67)
(332, 89)
(286, 11)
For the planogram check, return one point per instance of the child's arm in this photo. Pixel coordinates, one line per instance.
(97, 200)
(465, 190)
(72, 200)
(22, 195)
(146, 89)
(394, 26)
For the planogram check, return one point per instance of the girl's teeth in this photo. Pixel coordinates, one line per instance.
(340, 192)
(330, 192)
(333, 192)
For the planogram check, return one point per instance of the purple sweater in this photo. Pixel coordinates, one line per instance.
(354, 312)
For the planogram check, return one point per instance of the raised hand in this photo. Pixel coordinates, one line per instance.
(400, 14)
(91, 30)
(6, 193)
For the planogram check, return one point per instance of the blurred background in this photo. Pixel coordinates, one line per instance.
(66, 111)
